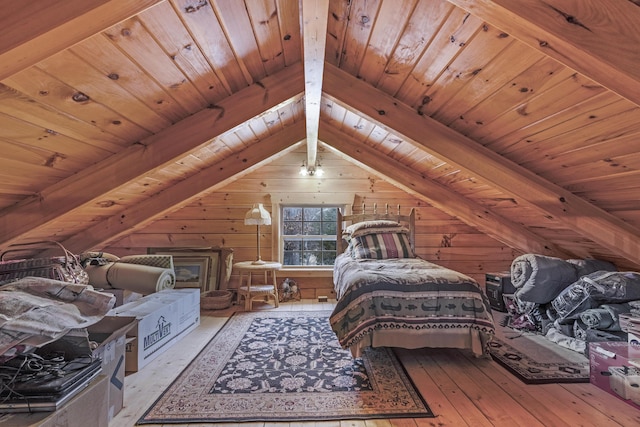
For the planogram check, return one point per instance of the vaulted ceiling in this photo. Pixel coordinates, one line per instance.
(520, 118)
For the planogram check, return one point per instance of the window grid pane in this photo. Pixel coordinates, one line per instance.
(309, 235)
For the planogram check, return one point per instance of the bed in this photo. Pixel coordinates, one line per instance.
(388, 297)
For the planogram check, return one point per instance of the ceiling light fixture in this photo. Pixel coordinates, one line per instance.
(311, 171)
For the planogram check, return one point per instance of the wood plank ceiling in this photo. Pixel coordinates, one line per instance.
(520, 118)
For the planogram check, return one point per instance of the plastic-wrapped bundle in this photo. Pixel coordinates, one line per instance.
(593, 290)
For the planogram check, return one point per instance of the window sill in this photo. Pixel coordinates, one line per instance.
(306, 272)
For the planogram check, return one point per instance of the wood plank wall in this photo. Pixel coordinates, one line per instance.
(217, 220)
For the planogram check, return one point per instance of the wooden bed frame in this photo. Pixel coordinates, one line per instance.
(408, 303)
(344, 220)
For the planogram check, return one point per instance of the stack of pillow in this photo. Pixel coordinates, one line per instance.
(380, 239)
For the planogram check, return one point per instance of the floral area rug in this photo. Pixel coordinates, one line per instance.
(536, 360)
(285, 366)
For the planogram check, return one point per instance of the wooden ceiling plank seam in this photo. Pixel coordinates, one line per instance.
(338, 115)
(205, 28)
(272, 121)
(350, 123)
(113, 63)
(467, 66)
(101, 125)
(289, 21)
(508, 64)
(314, 28)
(389, 26)
(36, 137)
(619, 125)
(576, 88)
(134, 40)
(23, 109)
(89, 82)
(151, 154)
(240, 29)
(362, 16)
(56, 25)
(625, 178)
(40, 155)
(413, 43)
(542, 76)
(588, 219)
(439, 196)
(606, 152)
(564, 122)
(248, 136)
(266, 31)
(290, 114)
(169, 32)
(597, 38)
(209, 179)
(456, 33)
(337, 22)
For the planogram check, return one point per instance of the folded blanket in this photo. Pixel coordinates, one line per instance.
(540, 278)
(597, 318)
(591, 265)
(605, 317)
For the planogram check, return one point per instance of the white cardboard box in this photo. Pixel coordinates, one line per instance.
(123, 296)
(163, 319)
(110, 334)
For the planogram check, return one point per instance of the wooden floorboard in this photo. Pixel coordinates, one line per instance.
(461, 390)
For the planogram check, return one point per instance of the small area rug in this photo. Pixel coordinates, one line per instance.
(536, 360)
(285, 366)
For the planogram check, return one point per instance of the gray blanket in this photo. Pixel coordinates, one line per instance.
(540, 278)
(605, 317)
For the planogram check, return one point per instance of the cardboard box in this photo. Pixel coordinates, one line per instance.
(163, 319)
(612, 370)
(110, 334)
(88, 408)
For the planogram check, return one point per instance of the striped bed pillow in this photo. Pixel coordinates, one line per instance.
(382, 246)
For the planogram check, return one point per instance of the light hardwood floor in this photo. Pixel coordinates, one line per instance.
(460, 389)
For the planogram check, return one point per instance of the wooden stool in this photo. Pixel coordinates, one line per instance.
(249, 290)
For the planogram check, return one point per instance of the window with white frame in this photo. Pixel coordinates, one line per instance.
(308, 235)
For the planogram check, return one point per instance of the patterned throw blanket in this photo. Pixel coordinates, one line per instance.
(407, 295)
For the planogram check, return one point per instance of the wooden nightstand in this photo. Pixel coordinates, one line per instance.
(249, 290)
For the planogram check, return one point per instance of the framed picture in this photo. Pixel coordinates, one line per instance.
(194, 267)
(192, 272)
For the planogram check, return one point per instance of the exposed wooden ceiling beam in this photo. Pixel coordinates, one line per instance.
(454, 148)
(501, 229)
(597, 38)
(209, 179)
(34, 30)
(314, 26)
(148, 155)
